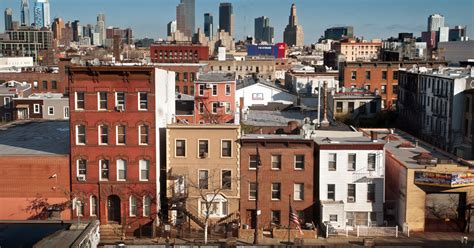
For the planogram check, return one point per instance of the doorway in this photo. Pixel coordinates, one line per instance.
(113, 209)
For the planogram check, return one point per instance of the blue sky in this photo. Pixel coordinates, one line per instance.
(370, 18)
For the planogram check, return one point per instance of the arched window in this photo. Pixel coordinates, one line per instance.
(133, 206)
(78, 205)
(93, 206)
(146, 206)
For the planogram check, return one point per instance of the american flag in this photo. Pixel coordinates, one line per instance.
(294, 218)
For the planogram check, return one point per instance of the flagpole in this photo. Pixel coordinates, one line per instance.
(289, 218)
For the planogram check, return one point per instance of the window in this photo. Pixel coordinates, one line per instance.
(191, 90)
(214, 89)
(373, 218)
(371, 162)
(228, 110)
(80, 100)
(80, 135)
(257, 96)
(103, 135)
(193, 76)
(227, 89)
(50, 110)
(332, 159)
(298, 191)
(253, 162)
(201, 89)
(121, 135)
(351, 166)
(226, 179)
(146, 206)
(93, 206)
(54, 85)
(275, 215)
(36, 108)
(45, 84)
(121, 170)
(353, 75)
(299, 162)
(367, 87)
(133, 206)
(351, 193)
(143, 130)
(338, 107)
(176, 77)
(185, 76)
(143, 101)
(395, 75)
(383, 89)
(201, 108)
(180, 148)
(276, 162)
(102, 100)
(362, 108)
(79, 207)
(217, 208)
(384, 75)
(468, 104)
(350, 107)
(333, 217)
(395, 89)
(252, 191)
(144, 170)
(81, 167)
(331, 192)
(203, 179)
(215, 105)
(120, 99)
(35, 84)
(276, 191)
(226, 146)
(66, 112)
(367, 75)
(7, 103)
(373, 107)
(371, 192)
(203, 148)
(104, 169)
(185, 89)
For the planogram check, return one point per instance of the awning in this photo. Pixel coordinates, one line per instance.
(22, 106)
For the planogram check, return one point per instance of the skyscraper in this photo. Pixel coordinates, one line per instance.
(337, 33)
(226, 18)
(435, 21)
(208, 25)
(100, 28)
(76, 30)
(185, 17)
(8, 19)
(25, 13)
(57, 27)
(263, 31)
(170, 28)
(42, 15)
(293, 35)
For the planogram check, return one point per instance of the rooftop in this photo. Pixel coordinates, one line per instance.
(272, 136)
(362, 140)
(46, 96)
(444, 72)
(249, 81)
(202, 126)
(216, 77)
(13, 87)
(35, 138)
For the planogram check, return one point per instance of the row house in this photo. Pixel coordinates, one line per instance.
(178, 53)
(203, 173)
(116, 120)
(185, 75)
(50, 106)
(8, 92)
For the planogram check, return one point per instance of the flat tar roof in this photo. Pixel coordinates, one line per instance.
(35, 138)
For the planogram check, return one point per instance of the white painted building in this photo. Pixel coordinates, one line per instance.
(351, 181)
(15, 64)
(308, 82)
(252, 92)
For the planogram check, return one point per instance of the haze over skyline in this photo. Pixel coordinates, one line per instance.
(370, 18)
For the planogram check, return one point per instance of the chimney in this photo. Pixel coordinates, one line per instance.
(373, 136)
(325, 122)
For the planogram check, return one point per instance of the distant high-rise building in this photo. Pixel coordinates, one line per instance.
(458, 33)
(100, 29)
(57, 27)
(42, 15)
(263, 31)
(8, 19)
(293, 35)
(435, 21)
(226, 18)
(185, 17)
(76, 31)
(25, 13)
(337, 33)
(170, 28)
(443, 34)
(208, 25)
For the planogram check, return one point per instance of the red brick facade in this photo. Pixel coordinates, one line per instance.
(111, 191)
(205, 109)
(287, 177)
(186, 75)
(29, 183)
(178, 53)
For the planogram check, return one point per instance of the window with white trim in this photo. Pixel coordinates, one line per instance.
(102, 100)
(36, 108)
(121, 135)
(143, 138)
(121, 170)
(144, 166)
(180, 148)
(50, 110)
(276, 162)
(104, 169)
(146, 206)
(252, 191)
(203, 148)
(276, 191)
(228, 110)
(120, 99)
(299, 162)
(201, 108)
(214, 89)
(79, 207)
(80, 100)
(226, 179)
(81, 167)
(227, 89)
(226, 148)
(203, 179)
(80, 134)
(371, 161)
(215, 105)
(66, 112)
(93, 206)
(218, 207)
(201, 89)
(332, 161)
(133, 206)
(142, 101)
(298, 191)
(7, 102)
(103, 135)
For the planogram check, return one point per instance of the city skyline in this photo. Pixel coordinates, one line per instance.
(392, 18)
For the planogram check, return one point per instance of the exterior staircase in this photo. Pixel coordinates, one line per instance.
(194, 218)
(111, 232)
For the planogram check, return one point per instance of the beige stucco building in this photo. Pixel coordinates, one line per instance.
(358, 51)
(203, 170)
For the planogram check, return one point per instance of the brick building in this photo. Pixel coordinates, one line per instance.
(215, 98)
(354, 50)
(34, 171)
(381, 76)
(287, 169)
(185, 75)
(116, 115)
(178, 53)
